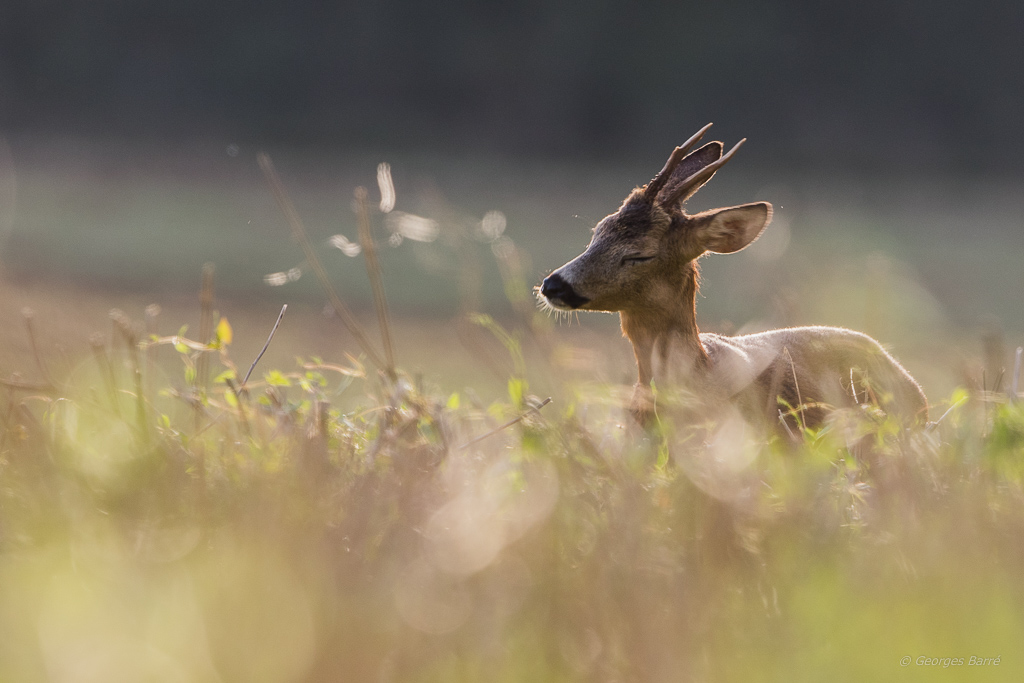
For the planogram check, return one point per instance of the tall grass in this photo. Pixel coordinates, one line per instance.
(162, 520)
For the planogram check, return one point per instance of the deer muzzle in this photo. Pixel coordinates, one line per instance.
(560, 293)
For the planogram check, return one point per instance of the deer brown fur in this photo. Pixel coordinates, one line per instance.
(642, 264)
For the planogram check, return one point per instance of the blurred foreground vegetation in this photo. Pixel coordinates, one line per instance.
(327, 522)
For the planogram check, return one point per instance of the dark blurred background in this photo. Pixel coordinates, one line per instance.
(913, 85)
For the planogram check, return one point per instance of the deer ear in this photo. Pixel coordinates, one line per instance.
(673, 192)
(725, 231)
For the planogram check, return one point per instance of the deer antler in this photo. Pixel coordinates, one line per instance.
(653, 187)
(703, 174)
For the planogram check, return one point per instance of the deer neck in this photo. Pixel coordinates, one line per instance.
(664, 333)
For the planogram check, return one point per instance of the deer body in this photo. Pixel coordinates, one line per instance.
(642, 264)
(800, 373)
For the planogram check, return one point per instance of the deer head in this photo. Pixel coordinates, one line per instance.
(644, 254)
(642, 263)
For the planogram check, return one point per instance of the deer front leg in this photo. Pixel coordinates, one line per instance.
(641, 406)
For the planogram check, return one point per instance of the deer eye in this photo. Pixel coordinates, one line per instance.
(635, 258)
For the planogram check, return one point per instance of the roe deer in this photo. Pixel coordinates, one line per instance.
(642, 264)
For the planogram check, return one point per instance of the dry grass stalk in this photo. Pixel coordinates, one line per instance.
(131, 342)
(99, 350)
(796, 383)
(29, 316)
(1016, 373)
(515, 420)
(239, 397)
(264, 349)
(151, 351)
(7, 417)
(35, 387)
(373, 271)
(299, 233)
(205, 325)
